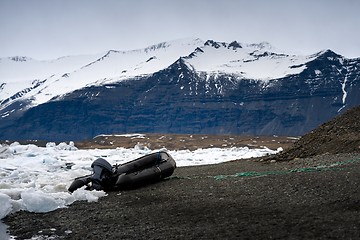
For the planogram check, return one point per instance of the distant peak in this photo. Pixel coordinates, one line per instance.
(110, 52)
(177, 43)
(157, 46)
(194, 53)
(19, 58)
(235, 45)
(212, 43)
(113, 51)
(328, 53)
(261, 45)
(181, 64)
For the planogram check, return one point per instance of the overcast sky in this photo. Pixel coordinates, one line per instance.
(47, 29)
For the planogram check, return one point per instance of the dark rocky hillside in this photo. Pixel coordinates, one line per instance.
(339, 135)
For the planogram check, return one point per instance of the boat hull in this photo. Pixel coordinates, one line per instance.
(136, 173)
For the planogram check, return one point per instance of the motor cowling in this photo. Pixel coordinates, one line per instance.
(102, 173)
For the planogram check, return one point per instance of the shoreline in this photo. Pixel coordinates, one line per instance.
(174, 141)
(193, 203)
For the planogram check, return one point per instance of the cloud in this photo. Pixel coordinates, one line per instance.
(49, 29)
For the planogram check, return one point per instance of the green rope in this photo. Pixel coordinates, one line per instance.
(267, 173)
(247, 174)
(296, 170)
(330, 167)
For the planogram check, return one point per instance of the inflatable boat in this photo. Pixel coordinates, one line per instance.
(141, 171)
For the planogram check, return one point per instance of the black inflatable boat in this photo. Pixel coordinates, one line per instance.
(141, 171)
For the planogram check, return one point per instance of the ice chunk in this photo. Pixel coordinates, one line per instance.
(37, 201)
(5, 205)
(90, 196)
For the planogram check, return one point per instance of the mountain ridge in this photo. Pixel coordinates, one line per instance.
(119, 74)
(215, 88)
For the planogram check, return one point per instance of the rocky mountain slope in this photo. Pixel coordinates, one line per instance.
(339, 135)
(178, 87)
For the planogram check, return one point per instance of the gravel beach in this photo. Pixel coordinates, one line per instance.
(308, 191)
(311, 198)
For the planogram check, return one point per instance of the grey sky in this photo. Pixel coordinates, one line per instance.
(46, 29)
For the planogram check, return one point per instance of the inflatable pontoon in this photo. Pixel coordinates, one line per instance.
(141, 171)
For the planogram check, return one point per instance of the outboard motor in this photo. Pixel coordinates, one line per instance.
(101, 177)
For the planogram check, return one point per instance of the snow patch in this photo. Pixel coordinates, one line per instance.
(343, 88)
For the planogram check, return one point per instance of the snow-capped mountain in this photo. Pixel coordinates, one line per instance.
(42, 80)
(211, 87)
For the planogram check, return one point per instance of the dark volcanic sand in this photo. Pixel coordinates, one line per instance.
(193, 204)
(310, 191)
(186, 141)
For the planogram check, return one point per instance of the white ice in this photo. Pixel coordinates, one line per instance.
(36, 179)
